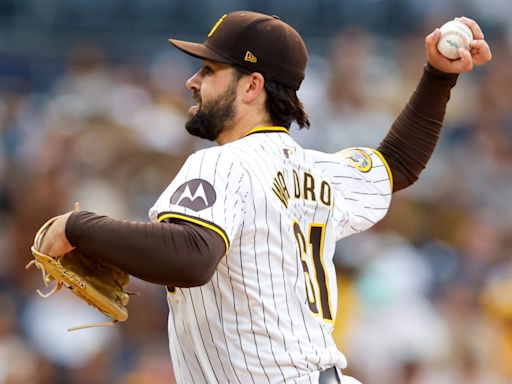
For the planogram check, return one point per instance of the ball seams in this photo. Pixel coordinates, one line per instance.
(462, 36)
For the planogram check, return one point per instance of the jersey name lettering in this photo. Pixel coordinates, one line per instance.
(305, 187)
(280, 189)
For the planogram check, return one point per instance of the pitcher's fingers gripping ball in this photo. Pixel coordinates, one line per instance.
(98, 284)
(454, 35)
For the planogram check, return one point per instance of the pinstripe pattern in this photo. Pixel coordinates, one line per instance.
(253, 322)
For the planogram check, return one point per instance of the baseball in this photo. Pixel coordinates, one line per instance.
(454, 35)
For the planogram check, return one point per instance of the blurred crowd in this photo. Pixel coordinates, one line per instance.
(425, 296)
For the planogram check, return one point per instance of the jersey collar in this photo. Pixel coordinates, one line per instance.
(266, 129)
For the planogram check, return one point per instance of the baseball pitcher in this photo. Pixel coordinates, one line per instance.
(243, 238)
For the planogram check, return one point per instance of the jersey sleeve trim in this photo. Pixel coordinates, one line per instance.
(168, 215)
(390, 175)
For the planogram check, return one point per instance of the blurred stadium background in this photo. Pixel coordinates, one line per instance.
(92, 106)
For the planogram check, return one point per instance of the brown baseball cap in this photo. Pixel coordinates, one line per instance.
(255, 42)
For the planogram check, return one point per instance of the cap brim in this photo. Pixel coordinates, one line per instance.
(198, 50)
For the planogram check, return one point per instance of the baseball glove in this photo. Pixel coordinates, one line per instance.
(98, 284)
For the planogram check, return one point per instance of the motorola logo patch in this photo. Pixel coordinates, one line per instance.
(195, 194)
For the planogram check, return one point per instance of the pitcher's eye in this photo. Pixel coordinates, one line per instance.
(206, 70)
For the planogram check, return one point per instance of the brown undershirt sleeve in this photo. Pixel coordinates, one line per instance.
(411, 140)
(178, 255)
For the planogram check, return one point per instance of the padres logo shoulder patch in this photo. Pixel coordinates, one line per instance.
(357, 158)
(195, 194)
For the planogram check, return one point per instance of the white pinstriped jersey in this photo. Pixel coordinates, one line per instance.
(267, 314)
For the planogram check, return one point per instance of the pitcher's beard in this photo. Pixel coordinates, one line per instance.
(213, 116)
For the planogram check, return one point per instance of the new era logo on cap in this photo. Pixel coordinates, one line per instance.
(250, 57)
